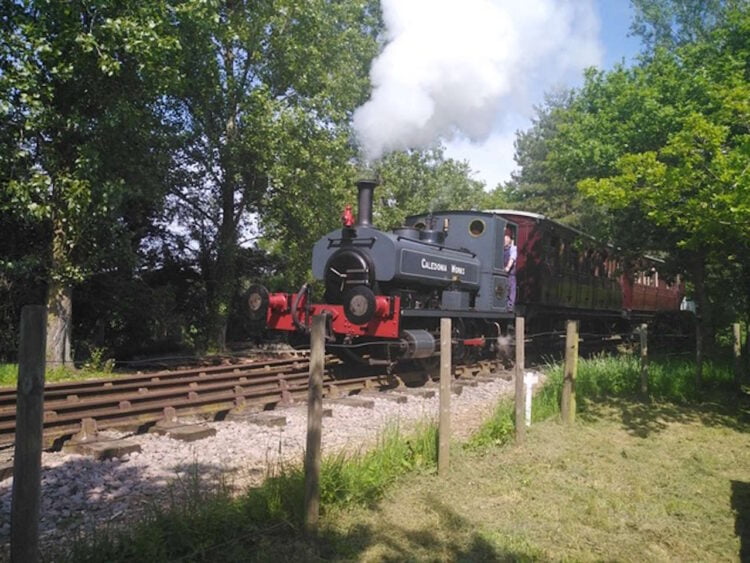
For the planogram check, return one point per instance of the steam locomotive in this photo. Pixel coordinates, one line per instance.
(385, 292)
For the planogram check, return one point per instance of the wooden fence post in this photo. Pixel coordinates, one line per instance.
(314, 425)
(737, 355)
(444, 424)
(27, 459)
(568, 402)
(520, 367)
(643, 333)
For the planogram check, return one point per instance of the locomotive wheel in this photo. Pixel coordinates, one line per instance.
(359, 305)
(257, 302)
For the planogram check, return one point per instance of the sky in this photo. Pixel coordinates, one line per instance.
(470, 73)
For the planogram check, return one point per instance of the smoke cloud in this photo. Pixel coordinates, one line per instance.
(453, 69)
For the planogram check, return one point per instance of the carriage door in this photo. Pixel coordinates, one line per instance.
(499, 278)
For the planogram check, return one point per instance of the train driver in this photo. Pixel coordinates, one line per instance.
(510, 255)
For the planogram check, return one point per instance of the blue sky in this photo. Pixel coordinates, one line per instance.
(615, 17)
(492, 161)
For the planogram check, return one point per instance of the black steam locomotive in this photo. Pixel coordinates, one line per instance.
(385, 292)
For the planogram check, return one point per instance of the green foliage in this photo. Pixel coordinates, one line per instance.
(98, 362)
(670, 23)
(670, 379)
(361, 480)
(233, 108)
(663, 145)
(498, 430)
(263, 96)
(542, 185)
(206, 523)
(692, 185)
(422, 181)
(83, 156)
(605, 377)
(8, 374)
(154, 313)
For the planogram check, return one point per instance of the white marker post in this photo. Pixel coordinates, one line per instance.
(530, 379)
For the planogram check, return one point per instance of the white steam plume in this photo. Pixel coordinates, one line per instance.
(453, 68)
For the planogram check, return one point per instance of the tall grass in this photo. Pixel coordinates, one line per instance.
(669, 379)
(8, 374)
(496, 431)
(363, 479)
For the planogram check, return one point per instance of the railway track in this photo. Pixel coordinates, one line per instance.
(135, 402)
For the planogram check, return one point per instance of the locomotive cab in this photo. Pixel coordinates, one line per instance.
(482, 235)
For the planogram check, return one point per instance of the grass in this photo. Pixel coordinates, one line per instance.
(663, 480)
(673, 486)
(9, 374)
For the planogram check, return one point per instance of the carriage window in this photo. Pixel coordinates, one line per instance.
(420, 225)
(476, 227)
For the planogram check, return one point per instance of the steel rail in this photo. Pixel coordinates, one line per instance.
(104, 385)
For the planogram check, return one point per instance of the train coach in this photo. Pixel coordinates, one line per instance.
(564, 273)
(384, 292)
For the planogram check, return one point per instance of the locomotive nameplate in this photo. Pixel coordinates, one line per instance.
(431, 266)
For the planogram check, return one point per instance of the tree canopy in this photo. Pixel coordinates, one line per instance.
(85, 159)
(659, 151)
(156, 156)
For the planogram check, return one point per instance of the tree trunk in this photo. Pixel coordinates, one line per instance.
(59, 323)
(699, 273)
(222, 284)
(223, 279)
(59, 304)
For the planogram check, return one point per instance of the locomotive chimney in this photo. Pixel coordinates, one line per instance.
(366, 188)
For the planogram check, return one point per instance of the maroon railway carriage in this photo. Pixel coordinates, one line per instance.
(564, 272)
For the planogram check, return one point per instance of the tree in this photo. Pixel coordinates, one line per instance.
(538, 185)
(414, 182)
(659, 150)
(78, 84)
(695, 184)
(264, 95)
(673, 23)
